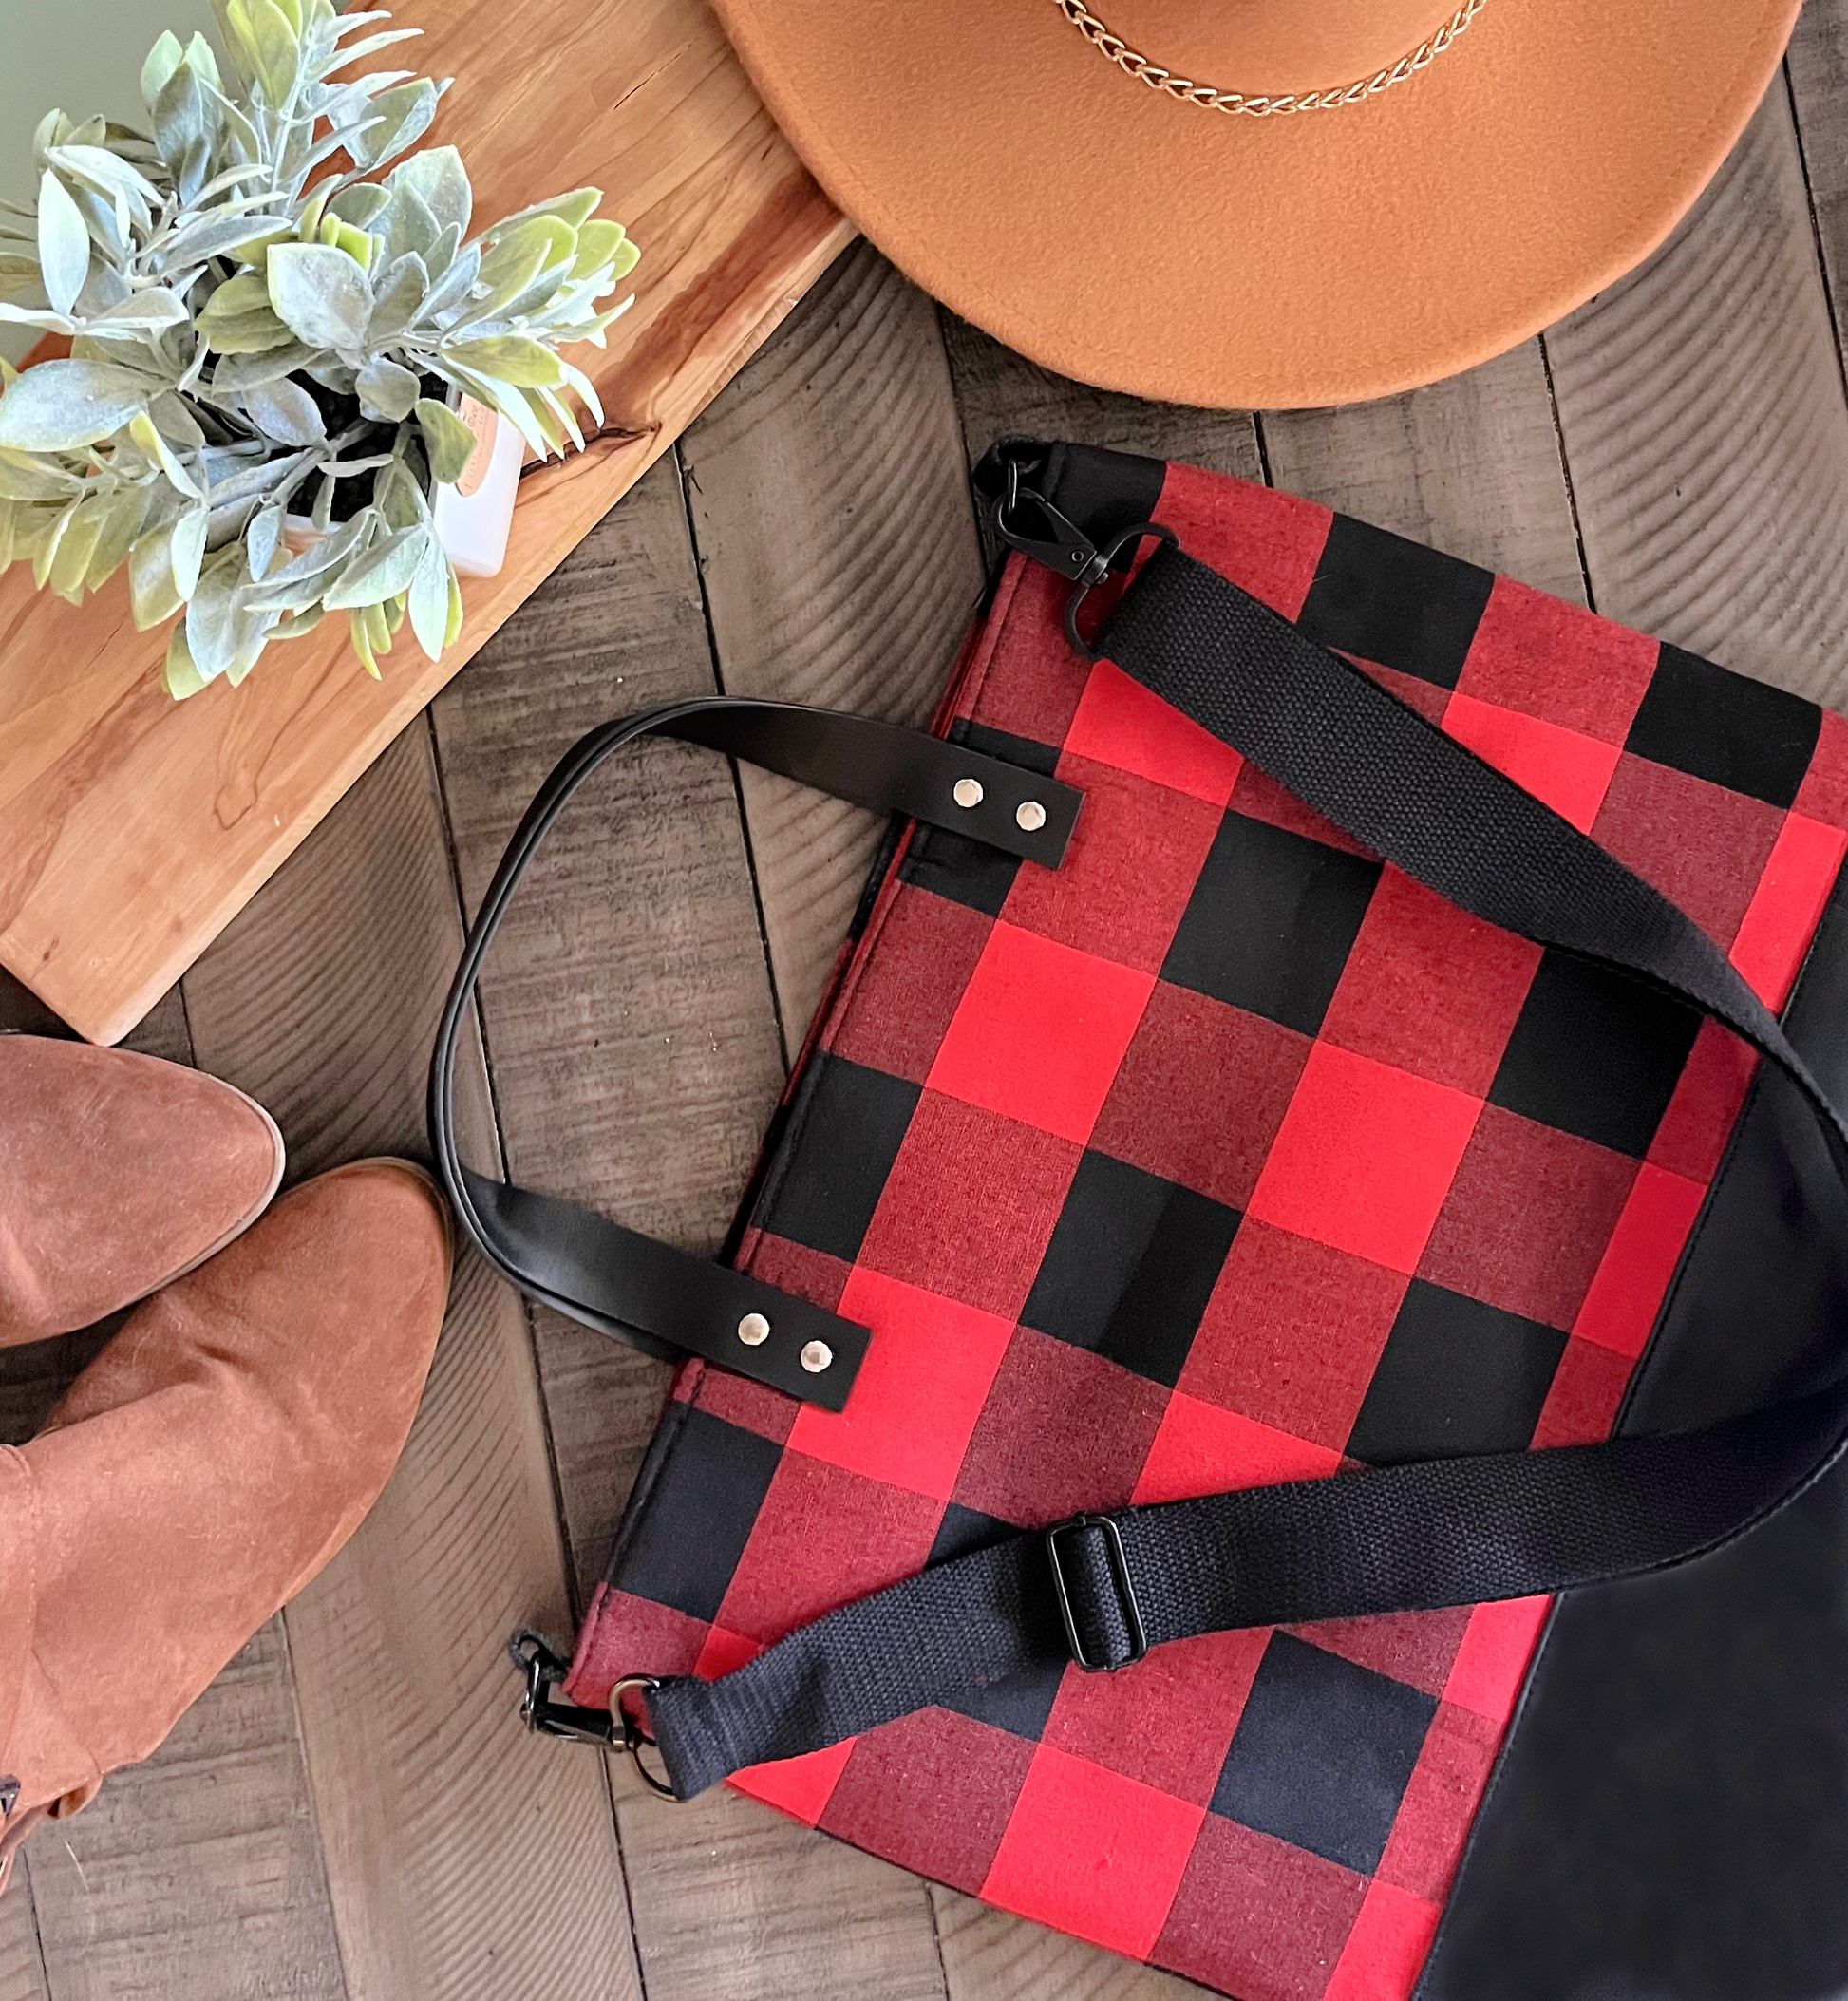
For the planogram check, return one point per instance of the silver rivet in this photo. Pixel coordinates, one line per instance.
(1029, 816)
(816, 1356)
(967, 792)
(753, 1330)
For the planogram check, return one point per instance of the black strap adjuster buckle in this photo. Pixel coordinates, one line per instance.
(1095, 1595)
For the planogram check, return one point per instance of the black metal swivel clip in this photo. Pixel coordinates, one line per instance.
(612, 1728)
(1027, 521)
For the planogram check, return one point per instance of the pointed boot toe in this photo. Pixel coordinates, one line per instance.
(119, 1173)
(205, 1466)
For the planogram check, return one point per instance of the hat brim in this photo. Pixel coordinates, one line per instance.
(1118, 236)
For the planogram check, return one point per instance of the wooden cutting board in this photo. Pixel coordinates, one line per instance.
(132, 829)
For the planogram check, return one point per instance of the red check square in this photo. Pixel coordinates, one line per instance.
(1492, 1662)
(1564, 770)
(1268, 542)
(1365, 1158)
(801, 1787)
(1429, 989)
(1779, 922)
(1135, 857)
(919, 1390)
(1119, 723)
(1632, 1279)
(1386, 1948)
(1583, 1399)
(1040, 1032)
(824, 1536)
(1292, 1334)
(1704, 848)
(1093, 1853)
(1201, 1449)
(1169, 1720)
(1549, 658)
(1426, 1842)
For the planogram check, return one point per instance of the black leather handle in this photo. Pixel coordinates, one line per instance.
(660, 1299)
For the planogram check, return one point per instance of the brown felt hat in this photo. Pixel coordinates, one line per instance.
(1489, 170)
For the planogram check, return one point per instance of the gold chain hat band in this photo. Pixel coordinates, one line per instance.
(1237, 103)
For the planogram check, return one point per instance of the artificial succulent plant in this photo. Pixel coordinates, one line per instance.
(265, 318)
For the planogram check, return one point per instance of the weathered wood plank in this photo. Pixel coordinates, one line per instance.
(22, 1966)
(838, 550)
(1470, 465)
(197, 1871)
(627, 1004)
(1702, 408)
(988, 1953)
(733, 1901)
(463, 1856)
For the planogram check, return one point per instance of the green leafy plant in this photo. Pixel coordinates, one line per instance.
(266, 317)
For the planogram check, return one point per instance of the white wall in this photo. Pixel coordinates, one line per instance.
(81, 56)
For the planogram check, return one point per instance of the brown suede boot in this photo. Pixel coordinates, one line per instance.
(118, 1173)
(202, 1469)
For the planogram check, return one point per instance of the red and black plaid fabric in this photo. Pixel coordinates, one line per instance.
(1226, 1154)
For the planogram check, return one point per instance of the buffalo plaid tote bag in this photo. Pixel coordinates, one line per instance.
(1321, 1144)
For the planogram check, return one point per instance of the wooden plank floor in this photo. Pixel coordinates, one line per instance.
(351, 1813)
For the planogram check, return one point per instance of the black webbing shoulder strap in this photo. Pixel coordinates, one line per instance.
(1101, 1590)
(666, 1301)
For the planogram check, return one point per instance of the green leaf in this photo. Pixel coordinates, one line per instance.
(385, 389)
(285, 411)
(262, 538)
(162, 59)
(441, 182)
(182, 677)
(397, 296)
(75, 548)
(448, 442)
(152, 588)
(380, 572)
(23, 477)
(273, 48)
(509, 357)
(145, 433)
(404, 116)
(124, 512)
(598, 242)
(188, 549)
(513, 261)
(574, 209)
(249, 333)
(319, 294)
(429, 598)
(360, 203)
(299, 626)
(246, 293)
(452, 631)
(202, 63)
(64, 243)
(408, 225)
(62, 406)
(361, 642)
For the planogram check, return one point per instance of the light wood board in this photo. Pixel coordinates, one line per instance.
(133, 829)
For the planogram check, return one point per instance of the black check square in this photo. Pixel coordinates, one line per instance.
(1395, 602)
(1732, 731)
(1020, 1704)
(1131, 1265)
(963, 1529)
(828, 1195)
(1455, 1376)
(1271, 922)
(682, 1546)
(1595, 1052)
(1324, 1753)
